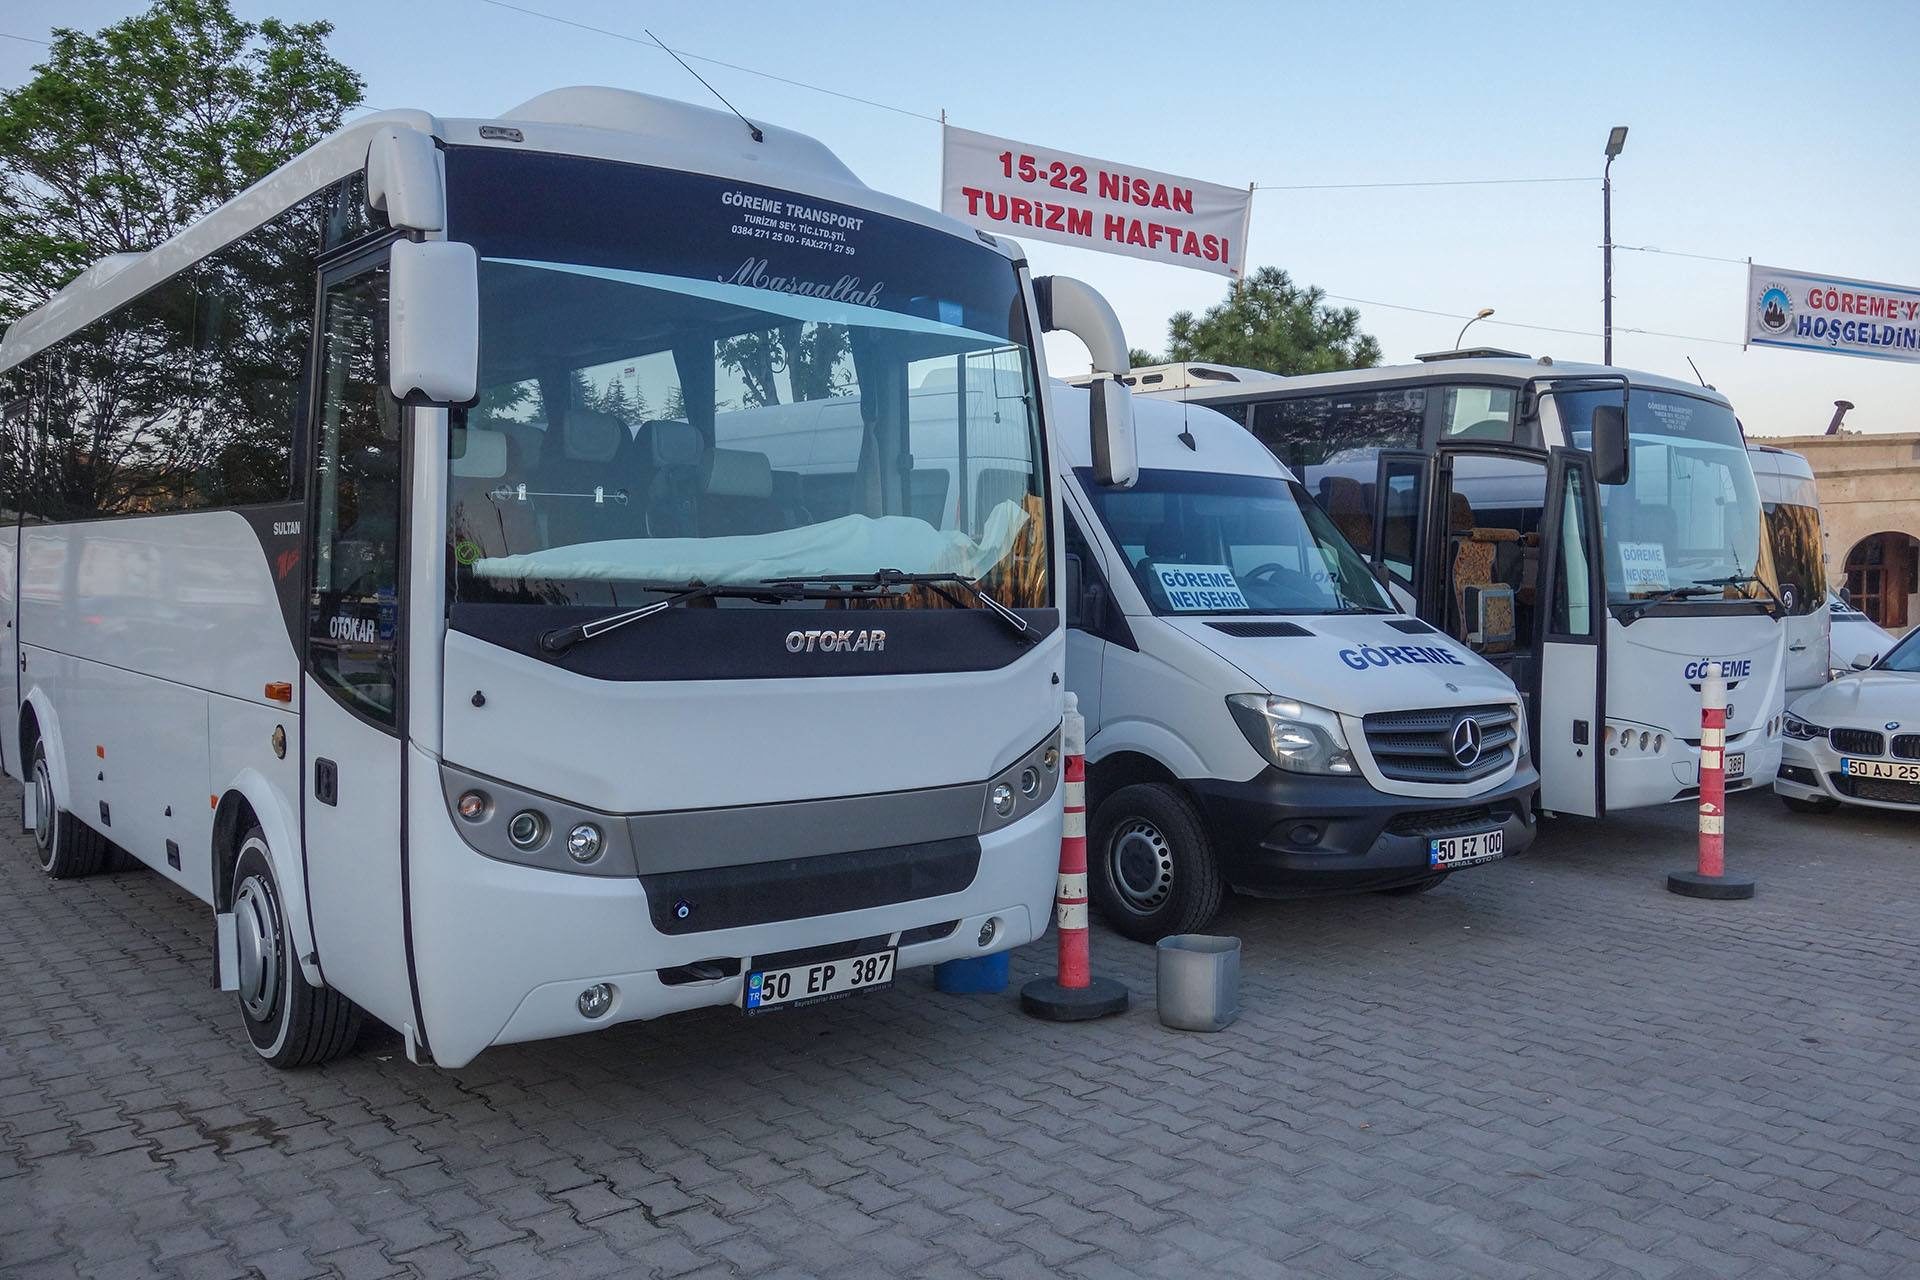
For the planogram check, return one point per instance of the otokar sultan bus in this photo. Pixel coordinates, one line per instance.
(1595, 532)
(379, 575)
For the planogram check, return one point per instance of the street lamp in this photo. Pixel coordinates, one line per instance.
(1481, 314)
(1616, 143)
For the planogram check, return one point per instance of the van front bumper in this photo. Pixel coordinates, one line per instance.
(1290, 835)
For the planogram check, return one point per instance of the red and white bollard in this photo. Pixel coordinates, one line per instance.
(1709, 879)
(1075, 995)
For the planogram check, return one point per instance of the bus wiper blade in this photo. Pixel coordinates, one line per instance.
(1779, 609)
(885, 580)
(1635, 611)
(561, 639)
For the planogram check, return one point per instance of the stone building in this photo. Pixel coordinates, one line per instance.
(1870, 512)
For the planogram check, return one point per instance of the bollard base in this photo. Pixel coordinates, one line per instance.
(1046, 998)
(1691, 884)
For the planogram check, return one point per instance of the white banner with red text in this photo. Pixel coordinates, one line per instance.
(1831, 313)
(1038, 193)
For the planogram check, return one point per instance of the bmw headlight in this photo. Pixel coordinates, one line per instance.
(1294, 736)
(1801, 730)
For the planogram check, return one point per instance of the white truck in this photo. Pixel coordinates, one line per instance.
(1259, 714)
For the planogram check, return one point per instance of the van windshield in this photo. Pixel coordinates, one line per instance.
(1204, 543)
(687, 379)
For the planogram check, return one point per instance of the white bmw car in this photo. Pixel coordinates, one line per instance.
(1857, 740)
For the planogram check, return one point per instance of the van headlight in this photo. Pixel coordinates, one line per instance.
(1294, 736)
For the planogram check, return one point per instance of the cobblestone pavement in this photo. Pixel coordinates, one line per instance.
(1546, 1067)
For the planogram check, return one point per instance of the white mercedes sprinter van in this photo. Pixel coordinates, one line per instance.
(1260, 716)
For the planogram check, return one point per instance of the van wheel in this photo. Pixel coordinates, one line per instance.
(66, 846)
(290, 1023)
(1418, 886)
(1150, 864)
(1823, 804)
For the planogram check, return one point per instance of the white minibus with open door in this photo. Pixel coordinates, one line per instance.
(383, 567)
(1259, 715)
(1790, 503)
(1466, 475)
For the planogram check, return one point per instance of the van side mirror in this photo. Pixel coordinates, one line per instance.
(1611, 460)
(433, 322)
(404, 179)
(1116, 459)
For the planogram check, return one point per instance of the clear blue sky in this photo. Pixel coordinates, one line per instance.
(1782, 131)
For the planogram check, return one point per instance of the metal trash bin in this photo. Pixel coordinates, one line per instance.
(1197, 983)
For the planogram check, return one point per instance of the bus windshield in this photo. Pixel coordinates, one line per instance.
(687, 379)
(1688, 519)
(1201, 542)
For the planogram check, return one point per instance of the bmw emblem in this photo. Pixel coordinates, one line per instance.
(1892, 725)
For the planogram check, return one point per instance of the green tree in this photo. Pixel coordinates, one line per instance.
(126, 135)
(1269, 322)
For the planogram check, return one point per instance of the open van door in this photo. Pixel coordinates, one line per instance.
(1568, 728)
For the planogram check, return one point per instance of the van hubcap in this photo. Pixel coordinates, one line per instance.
(259, 946)
(1142, 865)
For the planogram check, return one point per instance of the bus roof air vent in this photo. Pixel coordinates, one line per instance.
(1472, 353)
(598, 107)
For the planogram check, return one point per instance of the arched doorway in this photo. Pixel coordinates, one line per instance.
(1883, 578)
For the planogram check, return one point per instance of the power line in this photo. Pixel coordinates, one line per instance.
(1517, 324)
(731, 66)
(8, 35)
(1675, 253)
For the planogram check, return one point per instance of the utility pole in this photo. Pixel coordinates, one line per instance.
(1616, 142)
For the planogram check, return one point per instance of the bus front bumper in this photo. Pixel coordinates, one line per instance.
(1293, 835)
(503, 952)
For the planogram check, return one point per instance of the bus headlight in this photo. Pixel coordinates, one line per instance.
(527, 829)
(1002, 799)
(1292, 735)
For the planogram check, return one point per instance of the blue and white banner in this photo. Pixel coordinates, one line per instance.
(1831, 313)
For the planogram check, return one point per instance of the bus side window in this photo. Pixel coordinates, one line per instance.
(1478, 413)
(354, 612)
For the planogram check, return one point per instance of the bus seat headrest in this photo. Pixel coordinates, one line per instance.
(668, 443)
(740, 473)
(592, 436)
(479, 454)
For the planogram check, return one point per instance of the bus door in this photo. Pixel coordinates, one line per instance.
(352, 727)
(1496, 531)
(1571, 628)
(1402, 493)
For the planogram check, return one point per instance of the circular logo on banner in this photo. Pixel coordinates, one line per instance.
(1775, 308)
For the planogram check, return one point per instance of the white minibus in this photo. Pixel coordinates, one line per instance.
(1259, 714)
(383, 569)
(1790, 503)
(1464, 475)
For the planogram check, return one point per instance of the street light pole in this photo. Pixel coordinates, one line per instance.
(1616, 142)
(1482, 314)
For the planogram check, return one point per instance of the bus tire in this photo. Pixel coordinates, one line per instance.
(289, 1022)
(1418, 886)
(67, 847)
(1151, 869)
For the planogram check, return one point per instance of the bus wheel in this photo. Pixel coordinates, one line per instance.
(1418, 886)
(290, 1023)
(1151, 868)
(66, 846)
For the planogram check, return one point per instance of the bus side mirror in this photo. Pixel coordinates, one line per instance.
(1116, 459)
(404, 179)
(1864, 661)
(1610, 457)
(433, 322)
